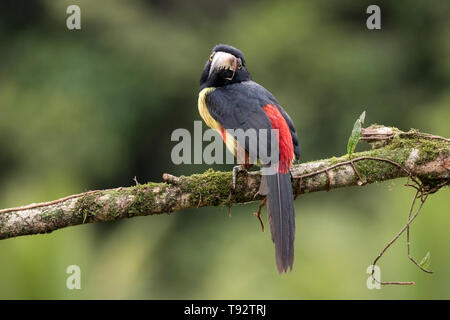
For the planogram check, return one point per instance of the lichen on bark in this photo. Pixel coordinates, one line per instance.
(425, 156)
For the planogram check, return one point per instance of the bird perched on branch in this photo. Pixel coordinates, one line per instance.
(230, 101)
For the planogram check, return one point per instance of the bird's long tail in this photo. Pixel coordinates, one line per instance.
(280, 208)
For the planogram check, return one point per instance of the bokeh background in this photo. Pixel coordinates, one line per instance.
(82, 110)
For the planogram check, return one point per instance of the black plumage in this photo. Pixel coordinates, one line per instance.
(235, 102)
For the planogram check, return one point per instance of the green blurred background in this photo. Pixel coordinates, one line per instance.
(82, 110)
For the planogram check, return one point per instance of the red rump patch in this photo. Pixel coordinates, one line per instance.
(284, 137)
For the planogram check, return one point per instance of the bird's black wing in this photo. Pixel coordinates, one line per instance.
(239, 106)
(294, 135)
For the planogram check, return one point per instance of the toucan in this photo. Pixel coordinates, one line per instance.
(229, 100)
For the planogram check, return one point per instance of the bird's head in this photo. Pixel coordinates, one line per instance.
(226, 65)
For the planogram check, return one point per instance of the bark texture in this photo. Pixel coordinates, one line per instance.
(394, 154)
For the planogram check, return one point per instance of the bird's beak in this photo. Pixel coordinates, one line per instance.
(223, 60)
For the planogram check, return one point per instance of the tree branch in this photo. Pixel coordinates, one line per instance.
(394, 154)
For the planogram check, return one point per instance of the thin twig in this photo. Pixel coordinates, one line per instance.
(350, 162)
(424, 135)
(408, 242)
(360, 180)
(328, 180)
(299, 188)
(392, 241)
(398, 283)
(230, 204)
(199, 200)
(258, 213)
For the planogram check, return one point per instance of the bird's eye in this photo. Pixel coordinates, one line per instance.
(211, 57)
(239, 63)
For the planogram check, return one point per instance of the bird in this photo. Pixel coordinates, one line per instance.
(230, 100)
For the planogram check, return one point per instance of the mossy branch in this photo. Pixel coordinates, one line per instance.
(422, 156)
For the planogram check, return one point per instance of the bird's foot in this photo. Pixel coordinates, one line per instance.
(236, 170)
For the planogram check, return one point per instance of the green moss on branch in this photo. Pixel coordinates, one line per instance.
(426, 157)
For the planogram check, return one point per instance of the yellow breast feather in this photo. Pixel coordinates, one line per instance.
(230, 142)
